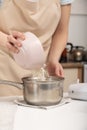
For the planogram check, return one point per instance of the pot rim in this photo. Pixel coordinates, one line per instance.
(49, 79)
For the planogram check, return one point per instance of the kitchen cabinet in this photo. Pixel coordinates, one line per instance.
(72, 72)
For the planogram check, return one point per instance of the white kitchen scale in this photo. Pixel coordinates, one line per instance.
(78, 91)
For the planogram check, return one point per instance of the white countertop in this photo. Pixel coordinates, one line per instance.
(71, 116)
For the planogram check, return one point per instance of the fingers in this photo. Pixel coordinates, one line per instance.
(55, 70)
(12, 48)
(17, 34)
(59, 71)
(13, 43)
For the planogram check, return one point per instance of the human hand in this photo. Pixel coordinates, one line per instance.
(14, 43)
(55, 69)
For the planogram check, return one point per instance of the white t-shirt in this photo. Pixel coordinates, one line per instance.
(61, 1)
(64, 2)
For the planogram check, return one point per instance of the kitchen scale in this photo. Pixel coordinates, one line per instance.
(78, 91)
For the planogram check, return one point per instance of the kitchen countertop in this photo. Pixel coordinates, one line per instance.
(73, 64)
(70, 116)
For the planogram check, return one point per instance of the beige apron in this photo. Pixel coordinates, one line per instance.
(40, 18)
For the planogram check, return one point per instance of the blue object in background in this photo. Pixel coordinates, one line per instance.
(63, 2)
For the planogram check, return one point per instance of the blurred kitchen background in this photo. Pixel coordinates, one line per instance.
(74, 57)
(77, 39)
(78, 23)
(1, 2)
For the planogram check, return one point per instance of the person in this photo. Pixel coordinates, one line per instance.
(47, 19)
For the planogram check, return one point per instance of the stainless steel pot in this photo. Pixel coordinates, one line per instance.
(38, 91)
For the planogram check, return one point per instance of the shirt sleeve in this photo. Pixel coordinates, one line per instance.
(64, 2)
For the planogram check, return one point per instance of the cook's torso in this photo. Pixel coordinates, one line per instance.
(38, 16)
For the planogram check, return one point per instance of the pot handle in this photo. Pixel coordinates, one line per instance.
(15, 84)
